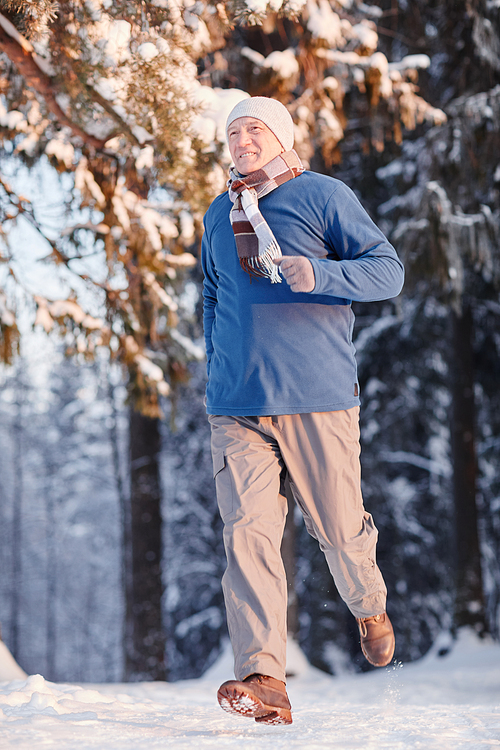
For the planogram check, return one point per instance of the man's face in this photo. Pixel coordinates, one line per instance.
(251, 144)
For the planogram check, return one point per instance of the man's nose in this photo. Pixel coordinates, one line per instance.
(243, 138)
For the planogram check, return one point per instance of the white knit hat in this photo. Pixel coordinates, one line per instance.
(271, 112)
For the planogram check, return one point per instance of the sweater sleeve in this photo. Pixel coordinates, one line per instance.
(209, 295)
(366, 267)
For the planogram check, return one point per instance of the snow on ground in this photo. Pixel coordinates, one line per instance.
(448, 702)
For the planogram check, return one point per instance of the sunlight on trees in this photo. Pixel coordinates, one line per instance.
(112, 147)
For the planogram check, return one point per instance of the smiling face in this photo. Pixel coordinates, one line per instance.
(251, 144)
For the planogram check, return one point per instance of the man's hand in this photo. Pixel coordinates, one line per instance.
(297, 272)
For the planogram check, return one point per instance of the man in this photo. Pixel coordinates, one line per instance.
(284, 253)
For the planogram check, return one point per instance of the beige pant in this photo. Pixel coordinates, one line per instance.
(320, 452)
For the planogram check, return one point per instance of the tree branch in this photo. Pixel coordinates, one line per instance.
(25, 209)
(20, 52)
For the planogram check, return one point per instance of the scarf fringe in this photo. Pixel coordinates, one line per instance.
(263, 265)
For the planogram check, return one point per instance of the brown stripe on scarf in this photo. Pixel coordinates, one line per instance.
(248, 246)
(242, 227)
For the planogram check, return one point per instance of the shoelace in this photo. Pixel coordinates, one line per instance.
(362, 623)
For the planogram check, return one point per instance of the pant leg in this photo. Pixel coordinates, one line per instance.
(321, 452)
(247, 468)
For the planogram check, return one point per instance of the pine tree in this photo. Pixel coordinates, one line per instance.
(126, 101)
(104, 92)
(446, 224)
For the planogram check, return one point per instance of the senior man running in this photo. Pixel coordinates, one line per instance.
(284, 253)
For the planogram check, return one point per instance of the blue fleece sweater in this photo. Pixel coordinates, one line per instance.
(274, 351)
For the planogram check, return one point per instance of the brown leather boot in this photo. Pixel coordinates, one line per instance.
(257, 696)
(377, 639)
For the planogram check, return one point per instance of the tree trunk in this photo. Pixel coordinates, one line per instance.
(124, 505)
(145, 638)
(17, 519)
(51, 576)
(469, 601)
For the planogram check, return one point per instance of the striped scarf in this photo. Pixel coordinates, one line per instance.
(255, 242)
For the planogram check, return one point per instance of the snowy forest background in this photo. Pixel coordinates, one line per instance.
(111, 149)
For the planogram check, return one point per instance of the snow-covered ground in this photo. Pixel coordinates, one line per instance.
(451, 701)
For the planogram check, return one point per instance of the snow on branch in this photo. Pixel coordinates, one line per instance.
(21, 54)
(11, 30)
(194, 350)
(486, 35)
(428, 464)
(153, 373)
(158, 294)
(7, 317)
(478, 108)
(411, 62)
(48, 312)
(184, 260)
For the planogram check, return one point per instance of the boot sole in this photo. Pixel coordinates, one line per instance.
(370, 660)
(237, 702)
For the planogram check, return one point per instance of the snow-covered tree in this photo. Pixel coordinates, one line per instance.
(123, 105)
(106, 95)
(444, 215)
(60, 599)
